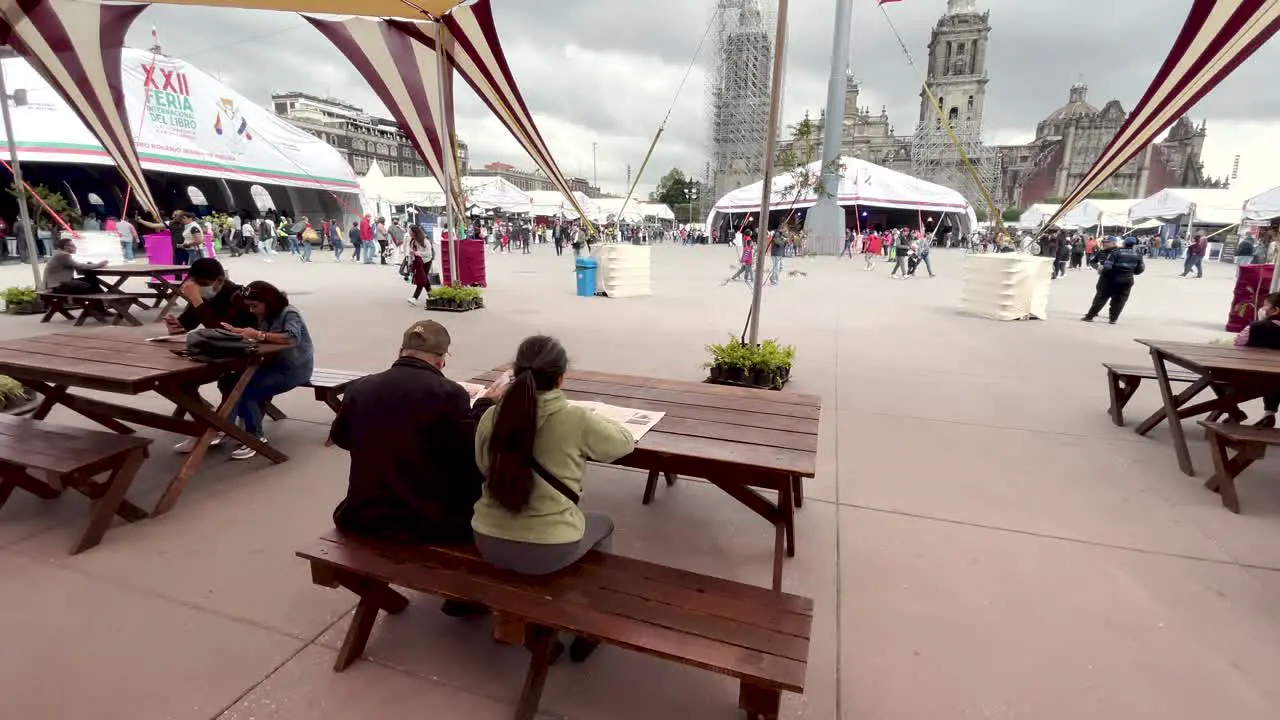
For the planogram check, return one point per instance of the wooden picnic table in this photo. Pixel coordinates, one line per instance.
(121, 360)
(161, 277)
(1235, 375)
(738, 439)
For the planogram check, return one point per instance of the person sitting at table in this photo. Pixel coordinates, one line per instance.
(60, 270)
(533, 449)
(1265, 333)
(278, 323)
(212, 300)
(410, 432)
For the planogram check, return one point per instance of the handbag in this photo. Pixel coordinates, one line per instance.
(310, 236)
(554, 481)
(213, 344)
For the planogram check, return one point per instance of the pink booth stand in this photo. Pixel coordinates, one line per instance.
(470, 263)
(159, 249)
(1253, 284)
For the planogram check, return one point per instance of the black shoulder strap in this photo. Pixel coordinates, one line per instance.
(553, 481)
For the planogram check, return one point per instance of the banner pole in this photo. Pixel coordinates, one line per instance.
(442, 72)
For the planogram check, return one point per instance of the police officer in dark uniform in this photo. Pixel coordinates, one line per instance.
(1116, 270)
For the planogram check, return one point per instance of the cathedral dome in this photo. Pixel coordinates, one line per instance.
(1076, 107)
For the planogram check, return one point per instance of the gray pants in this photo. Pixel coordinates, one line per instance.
(544, 559)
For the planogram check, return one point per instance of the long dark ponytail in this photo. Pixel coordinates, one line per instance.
(540, 363)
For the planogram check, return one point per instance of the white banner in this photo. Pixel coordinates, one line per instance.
(183, 121)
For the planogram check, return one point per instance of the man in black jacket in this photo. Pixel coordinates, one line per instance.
(411, 434)
(1116, 270)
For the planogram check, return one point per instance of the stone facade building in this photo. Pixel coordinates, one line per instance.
(533, 179)
(1070, 139)
(362, 138)
(1066, 144)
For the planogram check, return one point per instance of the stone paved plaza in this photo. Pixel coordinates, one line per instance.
(980, 540)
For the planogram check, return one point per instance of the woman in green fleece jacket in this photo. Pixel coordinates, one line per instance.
(522, 521)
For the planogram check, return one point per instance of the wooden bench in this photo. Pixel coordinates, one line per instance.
(330, 386)
(1234, 448)
(1123, 381)
(758, 636)
(116, 304)
(71, 457)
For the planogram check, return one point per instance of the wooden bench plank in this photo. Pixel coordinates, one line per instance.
(781, 396)
(1244, 433)
(565, 603)
(1147, 372)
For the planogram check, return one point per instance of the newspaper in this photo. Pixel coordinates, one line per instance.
(474, 390)
(638, 422)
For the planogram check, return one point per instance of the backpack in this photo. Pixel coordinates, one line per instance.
(211, 345)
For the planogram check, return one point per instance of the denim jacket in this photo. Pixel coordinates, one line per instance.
(301, 356)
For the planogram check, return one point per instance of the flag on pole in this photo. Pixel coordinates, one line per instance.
(155, 36)
(885, 2)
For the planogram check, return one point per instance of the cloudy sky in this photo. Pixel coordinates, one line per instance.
(606, 71)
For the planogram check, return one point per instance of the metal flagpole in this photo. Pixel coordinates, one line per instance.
(442, 70)
(771, 138)
(825, 222)
(27, 230)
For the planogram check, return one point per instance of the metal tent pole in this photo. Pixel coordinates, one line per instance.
(27, 230)
(442, 70)
(771, 138)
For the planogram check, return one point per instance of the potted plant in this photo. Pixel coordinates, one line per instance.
(15, 399)
(21, 301)
(454, 299)
(767, 366)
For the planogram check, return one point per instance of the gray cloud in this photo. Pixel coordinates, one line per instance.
(605, 70)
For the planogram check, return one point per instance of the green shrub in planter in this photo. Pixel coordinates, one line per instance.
(20, 300)
(766, 366)
(455, 298)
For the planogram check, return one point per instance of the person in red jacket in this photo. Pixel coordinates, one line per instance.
(871, 251)
(366, 238)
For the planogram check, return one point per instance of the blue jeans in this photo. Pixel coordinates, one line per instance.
(775, 270)
(337, 250)
(293, 244)
(268, 382)
(366, 247)
(306, 251)
(126, 248)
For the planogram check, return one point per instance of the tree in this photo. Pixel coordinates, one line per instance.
(682, 194)
(1011, 215)
(980, 214)
(54, 200)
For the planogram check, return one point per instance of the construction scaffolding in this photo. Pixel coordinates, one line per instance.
(935, 157)
(738, 93)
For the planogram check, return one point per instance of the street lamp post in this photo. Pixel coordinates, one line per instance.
(25, 217)
(595, 172)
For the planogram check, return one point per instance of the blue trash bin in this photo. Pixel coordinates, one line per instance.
(586, 271)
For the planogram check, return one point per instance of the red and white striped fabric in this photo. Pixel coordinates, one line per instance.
(76, 47)
(1217, 36)
(399, 61)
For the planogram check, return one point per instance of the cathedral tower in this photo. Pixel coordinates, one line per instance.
(957, 72)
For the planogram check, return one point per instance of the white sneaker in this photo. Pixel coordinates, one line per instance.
(244, 452)
(186, 446)
(411, 301)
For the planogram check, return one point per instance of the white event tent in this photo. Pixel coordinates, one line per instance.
(1034, 216)
(552, 203)
(1212, 206)
(863, 184)
(1264, 206)
(482, 192)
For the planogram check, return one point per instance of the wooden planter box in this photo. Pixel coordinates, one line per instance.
(32, 307)
(443, 306)
(740, 378)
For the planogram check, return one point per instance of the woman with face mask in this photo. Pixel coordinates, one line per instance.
(212, 299)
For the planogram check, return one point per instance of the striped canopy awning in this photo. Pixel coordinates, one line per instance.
(399, 61)
(76, 46)
(1217, 36)
(411, 9)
